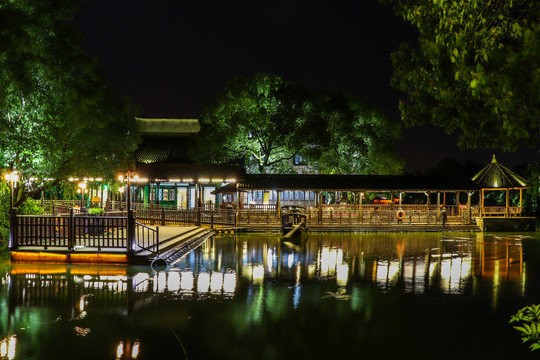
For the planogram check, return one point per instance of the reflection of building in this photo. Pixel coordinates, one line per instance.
(264, 275)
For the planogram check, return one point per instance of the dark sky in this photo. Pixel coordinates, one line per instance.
(170, 57)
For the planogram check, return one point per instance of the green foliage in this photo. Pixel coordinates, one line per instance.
(253, 121)
(95, 211)
(356, 138)
(474, 70)
(531, 197)
(57, 117)
(529, 320)
(263, 122)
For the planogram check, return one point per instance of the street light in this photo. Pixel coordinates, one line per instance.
(128, 187)
(12, 178)
(82, 186)
(121, 190)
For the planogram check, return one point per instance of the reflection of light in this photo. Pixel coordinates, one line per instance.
(270, 258)
(387, 270)
(342, 274)
(7, 347)
(290, 260)
(453, 271)
(329, 260)
(186, 282)
(173, 281)
(229, 282)
(216, 282)
(203, 282)
(311, 270)
(298, 272)
(135, 350)
(258, 273)
(161, 282)
(120, 350)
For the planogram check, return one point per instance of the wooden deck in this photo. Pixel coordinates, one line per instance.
(95, 240)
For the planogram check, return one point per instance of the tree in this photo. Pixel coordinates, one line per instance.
(265, 121)
(255, 121)
(57, 117)
(474, 71)
(359, 138)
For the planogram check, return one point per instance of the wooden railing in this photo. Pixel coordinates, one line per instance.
(70, 231)
(75, 230)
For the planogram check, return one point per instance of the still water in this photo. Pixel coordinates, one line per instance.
(421, 296)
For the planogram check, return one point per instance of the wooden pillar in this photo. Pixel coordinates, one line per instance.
(400, 198)
(507, 203)
(469, 206)
(279, 206)
(438, 206)
(482, 203)
(360, 215)
(428, 205)
(319, 206)
(520, 198)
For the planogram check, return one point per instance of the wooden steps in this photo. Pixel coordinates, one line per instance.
(175, 247)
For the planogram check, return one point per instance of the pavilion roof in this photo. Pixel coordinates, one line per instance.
(411, 183)
(193, 172)
(497, 176)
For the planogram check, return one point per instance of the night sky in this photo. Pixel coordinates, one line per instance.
(170, 57)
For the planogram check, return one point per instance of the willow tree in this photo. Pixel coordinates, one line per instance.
(255, 121)
(474, 71)
(57, 117)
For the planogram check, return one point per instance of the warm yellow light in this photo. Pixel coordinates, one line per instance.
(230, 180)
(135, 350)
(136, 178)
(82, 185)
(204, 180)
(121, 178)
(120, 350)
(217, 180)
(121, 190)
(174, 180)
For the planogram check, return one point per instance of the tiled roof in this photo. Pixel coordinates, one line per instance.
(349, 183)
(169, 127)
(195, 172)
(161, 150)
(497, 176)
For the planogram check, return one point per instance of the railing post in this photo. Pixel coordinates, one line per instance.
(198, 216)
(212, 221)
(157, 240)
(130, 230)
(13, 238)
(71, 229)
(162, 217)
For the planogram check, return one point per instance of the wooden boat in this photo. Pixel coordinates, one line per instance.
(293, 226)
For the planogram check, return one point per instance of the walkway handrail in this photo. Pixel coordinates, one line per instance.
(147, 238)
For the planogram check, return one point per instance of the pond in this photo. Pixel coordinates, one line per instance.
(411, 295)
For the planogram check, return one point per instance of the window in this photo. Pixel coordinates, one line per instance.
(299, 160)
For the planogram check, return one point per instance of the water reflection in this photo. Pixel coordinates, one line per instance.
(260, 272)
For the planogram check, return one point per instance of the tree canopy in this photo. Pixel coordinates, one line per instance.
(57, 117)
(357, 139)
(474, 70)
(263, 122)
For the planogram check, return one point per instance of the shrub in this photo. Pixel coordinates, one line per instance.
(529, 318)
(96, 211)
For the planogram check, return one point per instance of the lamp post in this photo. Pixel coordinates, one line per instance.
(82, 186)
(12, 178)
(121, 190)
